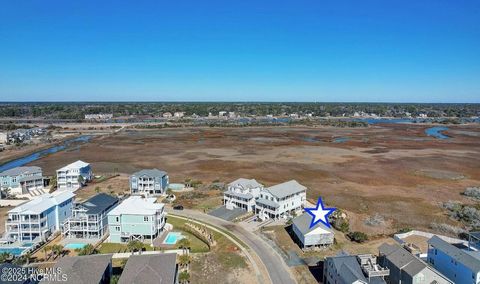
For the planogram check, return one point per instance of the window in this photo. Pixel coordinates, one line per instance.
(145, 219)
(117, 219)
(117, 228)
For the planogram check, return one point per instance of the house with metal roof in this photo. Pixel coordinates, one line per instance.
(89, 269)
(23, 180)
(281, 200)
(153, 268)
(242, 193)
(317, 236)
(39, 218)
(136, 218)
(349, 269)
(461, 264)
(89, 218)
(74, 175)
(407, 268)
(151, 182)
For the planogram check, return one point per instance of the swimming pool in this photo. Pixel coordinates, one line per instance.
(172, 238)
(74, 246)
(14, 251)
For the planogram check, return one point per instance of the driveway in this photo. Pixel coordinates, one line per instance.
(273, 262)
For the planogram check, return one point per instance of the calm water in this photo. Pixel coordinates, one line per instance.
(340, 139)
(42, 153)
(437, 132)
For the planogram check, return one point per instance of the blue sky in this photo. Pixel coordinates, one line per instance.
(379, 51)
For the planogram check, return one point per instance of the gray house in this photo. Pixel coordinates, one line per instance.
(406, 268)
(349, 269)
(89, 219)
(23, 180)
(90, 269)
(153, 268)
(151, 182)
(317, 236)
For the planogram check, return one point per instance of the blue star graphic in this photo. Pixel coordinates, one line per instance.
(320, 214)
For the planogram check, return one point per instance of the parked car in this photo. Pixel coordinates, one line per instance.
(178, 207)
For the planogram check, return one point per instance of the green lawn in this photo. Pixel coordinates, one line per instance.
(114, 248)
(196, 244)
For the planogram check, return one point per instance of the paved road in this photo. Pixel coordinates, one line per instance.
(276, 267)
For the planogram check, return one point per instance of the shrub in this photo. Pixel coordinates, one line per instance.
(358, 237)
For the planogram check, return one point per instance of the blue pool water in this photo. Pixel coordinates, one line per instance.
(437, 132)
(74, 246)
(14, 251)
(172, 238)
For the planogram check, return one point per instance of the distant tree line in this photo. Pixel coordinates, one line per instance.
(77, 111)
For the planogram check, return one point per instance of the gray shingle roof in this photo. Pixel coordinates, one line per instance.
(99, 203)
(240, 195)
(20, 170)
(459, 255)
(83, 269)
(303, 221)
(150, 172)
(153, 268)
(349, 269)
(285, 189)
(245, 183)
(267, 202)
(402, 258)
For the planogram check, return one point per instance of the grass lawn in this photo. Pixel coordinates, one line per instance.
(114, 248)
(197, 245)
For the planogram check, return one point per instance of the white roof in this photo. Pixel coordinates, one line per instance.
(42, 203)
(137, 205)
(285, 189)
(75, 165)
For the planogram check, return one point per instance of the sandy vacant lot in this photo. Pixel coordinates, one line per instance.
(394, 170)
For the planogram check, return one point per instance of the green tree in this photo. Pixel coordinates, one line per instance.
(81, 179)
(135, 246)
(45, 250)
(184, 244)
(358, 237)
(53, 183)
(184, 260)
(184, 277)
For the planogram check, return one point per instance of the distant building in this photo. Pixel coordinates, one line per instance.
(167, 115)
(99, 116)
(88, 269)
(154, 268)
(3, 138)
(281, 200)
(317, 236)
(136, 218)
(22, 135)
(89, 219)
(353, 269)
(231, 114)
(222, 113)
(151, 182)
(179, 114)
(74, 175)
(456, 261)
(242, 193)
(39, 218)
(22, 180)
(405, 268)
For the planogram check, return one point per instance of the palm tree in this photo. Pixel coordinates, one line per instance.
(53, 183)
(184, 260)
(134, 246)
(57, 249)
(45, 249)
(184, 277)
(184, 244)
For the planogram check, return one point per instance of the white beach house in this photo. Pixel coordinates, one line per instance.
(242, 193)
(74, 175)
(281, 200)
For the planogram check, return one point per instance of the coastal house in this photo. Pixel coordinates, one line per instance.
(357, 269)
(150, 182)
(89, 219)
(317, 236)
(22, 180)
(39, 218)
(242, 193)
(461, 264)
(407, 268)
(88, 269)
(99, 116)
(74, 175)
(281, 200)
(154, 268)
(136, 218)
(3, 138)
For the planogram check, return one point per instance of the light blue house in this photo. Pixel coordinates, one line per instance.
(22, 180)
(457, 262)
(37, 219)
(136, 218)
(150, 182)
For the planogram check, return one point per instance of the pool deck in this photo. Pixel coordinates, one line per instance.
(158, 242)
